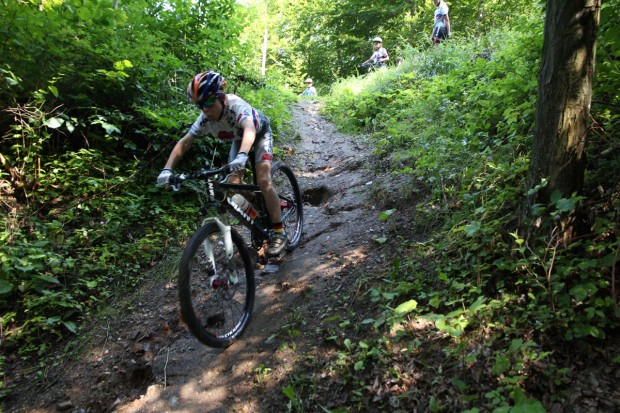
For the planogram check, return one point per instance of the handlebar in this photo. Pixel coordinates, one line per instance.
(176, 180)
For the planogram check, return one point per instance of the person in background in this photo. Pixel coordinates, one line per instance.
(230, 118)
(379, 55)
(441, 28)
(310, 90)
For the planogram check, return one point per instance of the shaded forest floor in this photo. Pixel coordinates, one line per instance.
(295, 354)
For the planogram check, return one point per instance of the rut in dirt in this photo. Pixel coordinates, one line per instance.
(143, 359)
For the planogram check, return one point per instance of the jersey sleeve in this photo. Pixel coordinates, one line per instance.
(200, 127)
(242, 111)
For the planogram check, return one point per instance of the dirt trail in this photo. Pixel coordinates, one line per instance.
(147, 361)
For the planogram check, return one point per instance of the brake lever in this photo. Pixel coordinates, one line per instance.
(179, 182)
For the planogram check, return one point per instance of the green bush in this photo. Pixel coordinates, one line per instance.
(459, 123)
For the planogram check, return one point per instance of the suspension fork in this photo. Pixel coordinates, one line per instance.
(228, 248)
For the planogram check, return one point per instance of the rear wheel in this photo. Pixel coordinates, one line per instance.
(291, 202)
(216, 286)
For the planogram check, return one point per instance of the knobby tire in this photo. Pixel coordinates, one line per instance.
(291, 202)
(216, 315)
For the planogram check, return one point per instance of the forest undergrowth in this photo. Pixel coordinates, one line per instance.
(508, 301)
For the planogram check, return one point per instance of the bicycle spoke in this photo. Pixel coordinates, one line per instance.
(217, 293)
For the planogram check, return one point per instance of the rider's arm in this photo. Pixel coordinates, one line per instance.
(372, 58)
(249, 135)
(387, 56)
(179, 150)
(447, 20)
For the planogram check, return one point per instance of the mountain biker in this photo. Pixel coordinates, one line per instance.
(310, 90)
(230, 118)
(379, 55)
(441, 29)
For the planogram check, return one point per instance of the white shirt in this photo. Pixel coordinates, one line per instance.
(228, 127)
(440, 12)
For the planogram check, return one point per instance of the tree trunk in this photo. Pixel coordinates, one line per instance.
(564, 94)
(479, 20)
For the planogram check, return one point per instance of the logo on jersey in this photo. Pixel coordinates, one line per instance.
(226, 136)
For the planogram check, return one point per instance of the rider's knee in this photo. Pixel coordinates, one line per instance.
(235, 177)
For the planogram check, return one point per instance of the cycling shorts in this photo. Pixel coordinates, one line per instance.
(262, 148)
(439, 34)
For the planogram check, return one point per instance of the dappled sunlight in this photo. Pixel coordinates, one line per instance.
(430, 275)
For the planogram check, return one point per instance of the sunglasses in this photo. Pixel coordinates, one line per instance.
(207, 103)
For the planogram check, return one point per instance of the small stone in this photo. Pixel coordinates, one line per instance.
(64, 405)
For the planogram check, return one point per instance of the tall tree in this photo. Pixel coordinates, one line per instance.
(564, 95)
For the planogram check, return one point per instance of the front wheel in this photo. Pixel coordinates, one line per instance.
(216, 286)
(291, 203)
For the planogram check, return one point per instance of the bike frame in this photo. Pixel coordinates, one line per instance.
(217, 195)
(224, 203)
(259, 225)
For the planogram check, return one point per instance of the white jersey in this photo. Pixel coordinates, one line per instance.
(440, 13)
(228, 127)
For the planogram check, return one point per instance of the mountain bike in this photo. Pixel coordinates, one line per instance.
(371, 67)
(216, 273)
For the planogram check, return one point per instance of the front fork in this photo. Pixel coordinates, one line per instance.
(219, 278)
